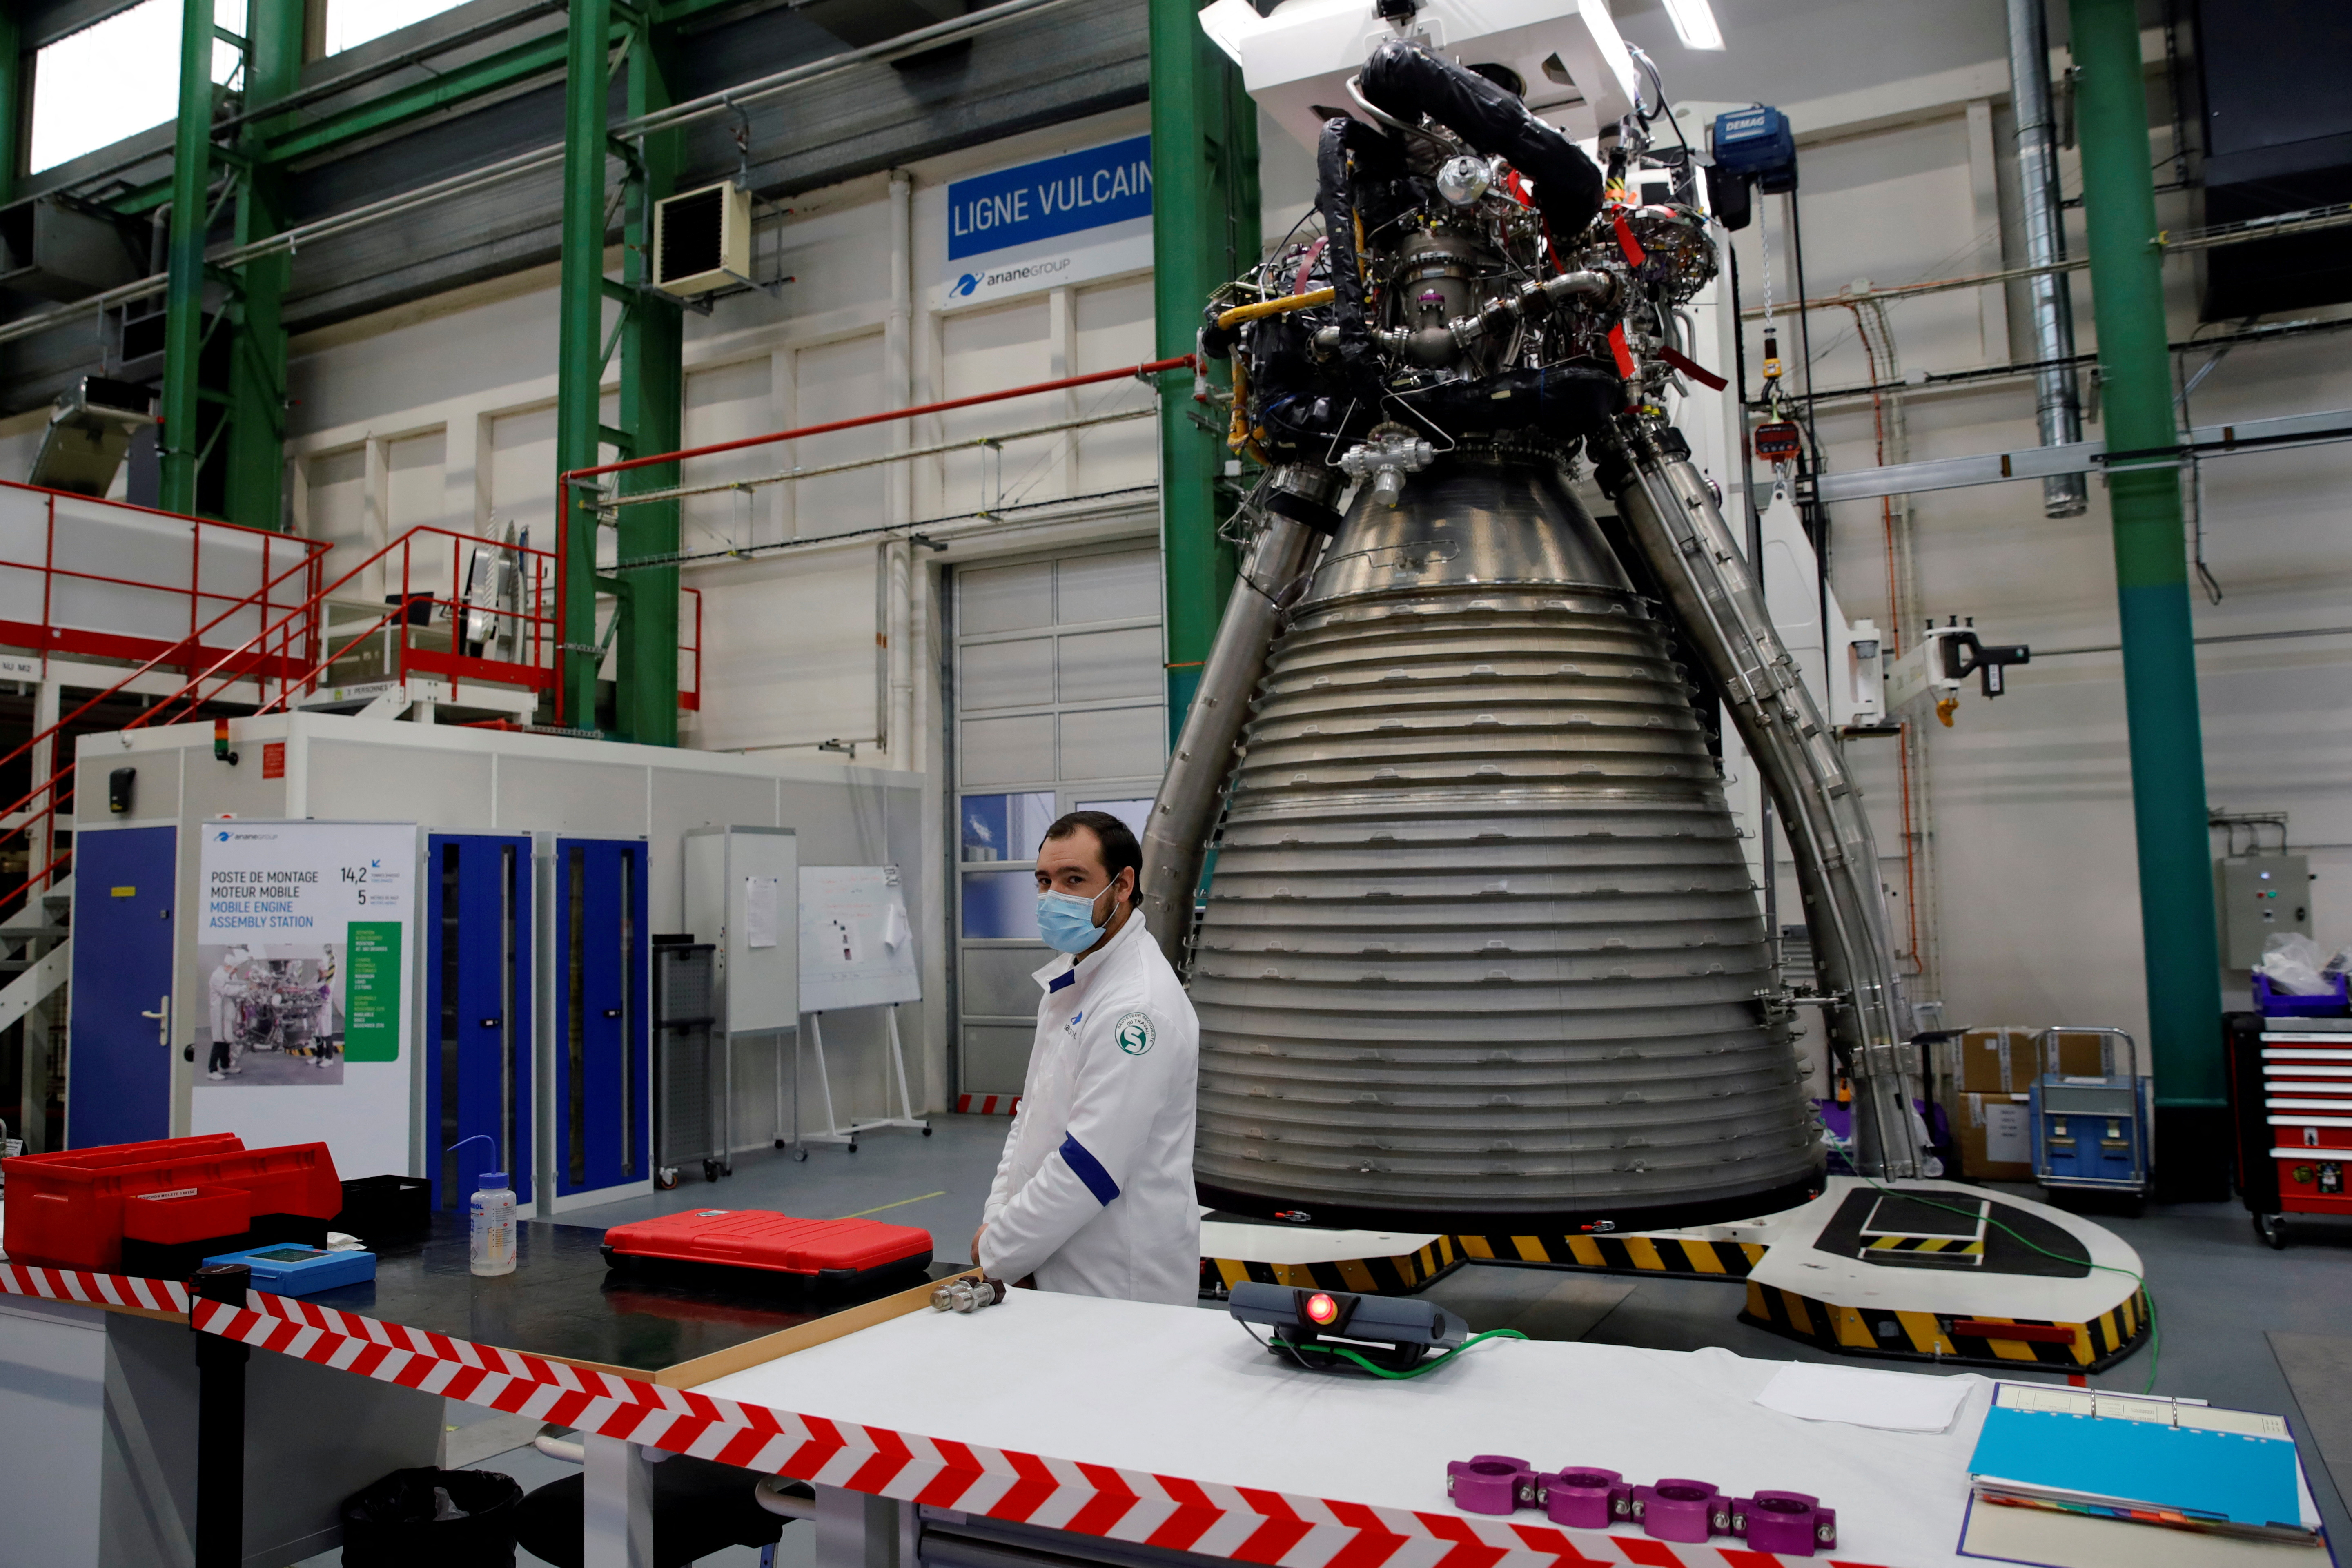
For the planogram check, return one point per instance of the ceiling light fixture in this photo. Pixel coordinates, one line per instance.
(1694, 22)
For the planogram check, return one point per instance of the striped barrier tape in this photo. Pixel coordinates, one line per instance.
(1272, 1529)
(987, 1104)
(92, 1289)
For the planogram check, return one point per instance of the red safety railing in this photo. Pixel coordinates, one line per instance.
(565, 481)
(68, 594)
(690, 618)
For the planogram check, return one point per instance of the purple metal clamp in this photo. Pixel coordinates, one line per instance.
(1677, 1508)
(1586, 1498)
(1793, 1524)
(1490, 1483)
(1789, 1524)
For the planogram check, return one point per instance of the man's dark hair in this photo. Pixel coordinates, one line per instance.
(1117, 840)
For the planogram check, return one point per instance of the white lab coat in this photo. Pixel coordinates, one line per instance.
(1094, 1195)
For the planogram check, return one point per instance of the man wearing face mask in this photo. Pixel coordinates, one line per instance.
(1094, 1195)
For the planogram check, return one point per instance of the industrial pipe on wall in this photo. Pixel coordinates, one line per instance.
(2057, 404)
(899, 371)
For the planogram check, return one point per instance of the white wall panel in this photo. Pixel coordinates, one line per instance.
(727, 403)
(838, 381)
(417, 496)
(1113, 327)
(982, 351)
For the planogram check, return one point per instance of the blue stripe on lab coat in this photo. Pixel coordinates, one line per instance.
(1089, 1171)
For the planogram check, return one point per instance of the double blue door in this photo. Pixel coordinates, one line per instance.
(602, 1089)
(120, 1085)
(478, 973)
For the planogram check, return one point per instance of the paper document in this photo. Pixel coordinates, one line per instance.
(1889, 1401)
(759, 911)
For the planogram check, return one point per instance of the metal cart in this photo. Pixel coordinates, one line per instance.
(690, 1080)
(2091, 1130)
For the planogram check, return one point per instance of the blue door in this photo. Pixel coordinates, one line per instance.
(477, 1011)
(602, 1084)
(119, 1066)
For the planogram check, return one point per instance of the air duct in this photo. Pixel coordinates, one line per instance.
(2057, 404)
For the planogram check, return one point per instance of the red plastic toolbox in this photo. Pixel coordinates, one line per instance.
(65, 1209)
(832, 1250)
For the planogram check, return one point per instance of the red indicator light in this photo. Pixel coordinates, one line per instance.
(1321, 1309)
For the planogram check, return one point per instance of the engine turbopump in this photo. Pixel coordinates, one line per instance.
(1481, 949)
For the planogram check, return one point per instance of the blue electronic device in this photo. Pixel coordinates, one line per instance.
(1757, 144)
(290, 1268)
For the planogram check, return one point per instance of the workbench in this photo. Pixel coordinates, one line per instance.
(1116, 1431)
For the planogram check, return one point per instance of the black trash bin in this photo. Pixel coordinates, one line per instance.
(449, 1519)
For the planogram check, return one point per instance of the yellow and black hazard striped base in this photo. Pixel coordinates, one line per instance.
(1647, 1255)
(1398, 1275)
(1948, 1338)
(1925, 1251)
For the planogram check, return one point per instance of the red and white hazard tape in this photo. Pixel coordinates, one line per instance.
(1274, 1528)
(96, 1290)
(987, 1104)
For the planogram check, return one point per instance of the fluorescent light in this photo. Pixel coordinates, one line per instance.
(1695, 24)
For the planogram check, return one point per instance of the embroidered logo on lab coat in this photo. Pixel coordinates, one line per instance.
(1133, 1034)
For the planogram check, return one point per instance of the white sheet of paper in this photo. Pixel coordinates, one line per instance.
(759, 911)
(1889, 1401)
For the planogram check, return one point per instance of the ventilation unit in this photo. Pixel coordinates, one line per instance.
(702, 240)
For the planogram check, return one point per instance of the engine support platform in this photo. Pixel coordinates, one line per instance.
(2005, 1283)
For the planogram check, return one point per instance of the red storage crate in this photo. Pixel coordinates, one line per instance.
(834, 1250)
(186, 1214)
(65, 1209)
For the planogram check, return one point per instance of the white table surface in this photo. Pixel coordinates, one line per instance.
(1183, 1392)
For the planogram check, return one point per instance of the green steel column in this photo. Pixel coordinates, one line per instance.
(254, 484)
(2167, 761)
(1205, 229)
(579, 364)
(652, 346)
(184, 300)
(13, 117)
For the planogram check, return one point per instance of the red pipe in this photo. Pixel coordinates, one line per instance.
(563, 481)
(1134, 371)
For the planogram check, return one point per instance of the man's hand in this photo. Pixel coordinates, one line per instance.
(975, 1243)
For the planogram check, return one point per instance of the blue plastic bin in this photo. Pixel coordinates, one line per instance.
(2273, 1003)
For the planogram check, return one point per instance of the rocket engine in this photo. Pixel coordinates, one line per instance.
(1481, 949)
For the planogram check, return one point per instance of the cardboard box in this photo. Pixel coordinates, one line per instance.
(1996, 1137)
(2079, 1055)
(1996, 1060)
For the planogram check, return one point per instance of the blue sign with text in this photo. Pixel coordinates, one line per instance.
(1050, 197)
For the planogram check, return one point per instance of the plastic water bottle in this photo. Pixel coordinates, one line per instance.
(491, 1247)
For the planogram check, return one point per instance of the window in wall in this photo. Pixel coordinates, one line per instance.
(121, 77)
(351, 23)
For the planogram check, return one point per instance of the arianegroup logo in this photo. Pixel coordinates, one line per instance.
(226, 836)
(964, 286)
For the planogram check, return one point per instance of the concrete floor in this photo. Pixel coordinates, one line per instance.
(2217, 1288)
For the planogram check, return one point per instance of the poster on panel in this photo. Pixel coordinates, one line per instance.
(305, 946)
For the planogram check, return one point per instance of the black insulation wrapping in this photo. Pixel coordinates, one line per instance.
(1409, 82)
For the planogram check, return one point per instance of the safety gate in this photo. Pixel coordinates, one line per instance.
(478, 1013)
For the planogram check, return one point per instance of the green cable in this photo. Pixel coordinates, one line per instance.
(2155, 1335)
(1390, 1373)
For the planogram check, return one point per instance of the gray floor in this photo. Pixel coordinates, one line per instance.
(2219, 1291)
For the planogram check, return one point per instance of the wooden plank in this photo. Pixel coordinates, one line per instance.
(825, 1331)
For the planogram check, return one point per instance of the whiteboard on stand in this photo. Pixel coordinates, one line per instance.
(857, 946)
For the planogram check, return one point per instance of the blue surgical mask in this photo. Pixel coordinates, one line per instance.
(1066, 921)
